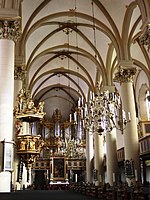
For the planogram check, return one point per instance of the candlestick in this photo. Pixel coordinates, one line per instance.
(70, 118)
(79, 102)
(129, 116)
(76, 178)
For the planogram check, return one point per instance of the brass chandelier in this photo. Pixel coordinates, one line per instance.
(104, 112)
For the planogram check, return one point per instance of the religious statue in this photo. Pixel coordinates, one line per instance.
(20, 101)
(30, 105)
(40, 107)
(19, 128)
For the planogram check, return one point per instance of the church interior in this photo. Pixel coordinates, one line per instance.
(75, 97)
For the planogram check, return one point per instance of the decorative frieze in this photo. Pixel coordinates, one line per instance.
(145, 37)
(25, 109)
(125, 75)
(29, 147)
(10, 29)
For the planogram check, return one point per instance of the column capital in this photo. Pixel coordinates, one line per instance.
(125, 75)
(19, 73)
(145, 36)
(10, 28)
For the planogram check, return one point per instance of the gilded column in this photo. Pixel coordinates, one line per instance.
(131, 147)
(89, 156)
(9, 33)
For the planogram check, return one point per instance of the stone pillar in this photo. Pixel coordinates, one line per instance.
(89, 156)
(19, 76)
(111, 157)
(111, 143)
(9, 34)
(98, 158)
(144, 171)
(131, 147)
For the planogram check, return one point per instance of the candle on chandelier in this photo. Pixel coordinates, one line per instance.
(86, 97)
(82, 101)
(148, 93)
(76, 178)
(85, 109)
(124, 114)
(75, 116)
(82, 113)
(70, 117)
(129, 116)
(93, 96)
(79, 101)
(118, 100)
(90, 94)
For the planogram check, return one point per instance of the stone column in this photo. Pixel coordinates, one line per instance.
(98, 158)
(9, 34)
(89, 156)
(111, 143)
(125, 76)
(111, 157)
(19, 76)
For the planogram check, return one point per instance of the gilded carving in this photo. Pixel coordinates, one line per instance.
(10, 29)
(73, 149)
(125, 75)
(19, 73)
(145, 37)
(29, 147)
(25, 106)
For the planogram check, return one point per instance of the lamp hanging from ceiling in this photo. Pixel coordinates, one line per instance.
(104, 111)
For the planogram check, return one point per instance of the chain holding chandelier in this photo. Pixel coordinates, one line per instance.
(104, 112)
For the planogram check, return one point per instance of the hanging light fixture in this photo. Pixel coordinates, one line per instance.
(104, 110)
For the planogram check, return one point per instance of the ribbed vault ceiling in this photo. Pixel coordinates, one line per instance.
(69, 45)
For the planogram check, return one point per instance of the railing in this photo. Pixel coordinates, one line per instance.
(120, 154)
(145, 145)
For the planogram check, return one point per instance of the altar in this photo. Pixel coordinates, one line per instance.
(59, 185)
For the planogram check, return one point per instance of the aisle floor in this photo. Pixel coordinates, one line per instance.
(44, 195)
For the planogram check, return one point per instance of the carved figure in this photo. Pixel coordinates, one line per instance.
(40, 107)
(30, 104)
(20, 99)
